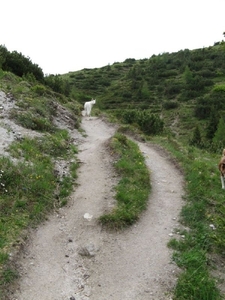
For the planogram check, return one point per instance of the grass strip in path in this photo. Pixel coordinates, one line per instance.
(134, 186)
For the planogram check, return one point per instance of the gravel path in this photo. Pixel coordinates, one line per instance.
(71, 257)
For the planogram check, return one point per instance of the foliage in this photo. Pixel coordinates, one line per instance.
(219, 137)
(170, 104)
(196, 139)
(164, 80)
(213, 101)
(3, 54)
(29, 120)
(57, 84)
(212, 124)
(39, 89)
(184, 76)
(37, 104)
(129, 116)
(149, 123)
(35, 112)
(219, 88)
(18, 64)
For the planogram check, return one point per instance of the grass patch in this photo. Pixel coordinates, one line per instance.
(134, 187)
(33, 121)
(8, 275)
(204, 216)
(204, 290)
(28, 188)
(55, 145)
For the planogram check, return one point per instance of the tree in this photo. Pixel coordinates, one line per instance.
(212, 124)
(188, 76)
(3, 54)
(196, 138)
(219, 137)
(20, 65)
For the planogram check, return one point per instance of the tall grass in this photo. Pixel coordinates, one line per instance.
(134, 186)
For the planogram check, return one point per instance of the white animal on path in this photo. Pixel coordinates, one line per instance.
(88, 106)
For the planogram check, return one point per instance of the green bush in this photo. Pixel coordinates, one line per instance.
(18, 64)
(39, 89)
(170, 105)
(31, 121)
(219, 88)
(219, 137)
(129, 116)
(148, 122)
(196, 140)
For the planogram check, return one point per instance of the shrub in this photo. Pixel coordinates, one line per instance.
(219, 88)
(203, 107)
(170, 105)
(129, 116)
(149, 123)
(196, 139)
(39, 89)
(29, 120)
(219, 137)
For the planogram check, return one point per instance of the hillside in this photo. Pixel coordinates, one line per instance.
(174, 100)
(183, 87)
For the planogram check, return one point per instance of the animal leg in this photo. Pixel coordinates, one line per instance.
(222, 182)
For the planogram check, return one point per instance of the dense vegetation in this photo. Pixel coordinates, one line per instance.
(176, 100)
(23, 67)
(186, 89)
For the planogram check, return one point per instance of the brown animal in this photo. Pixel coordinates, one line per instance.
(222, 169)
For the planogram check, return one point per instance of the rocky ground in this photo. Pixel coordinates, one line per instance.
(71, 257)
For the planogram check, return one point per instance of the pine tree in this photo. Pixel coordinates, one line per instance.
(212, 124)
(219, 137)
(196, 139)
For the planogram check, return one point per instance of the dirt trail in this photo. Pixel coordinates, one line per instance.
(71, 257)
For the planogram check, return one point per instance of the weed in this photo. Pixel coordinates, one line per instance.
(8, 275)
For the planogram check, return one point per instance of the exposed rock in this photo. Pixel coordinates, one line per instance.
(88, 250)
